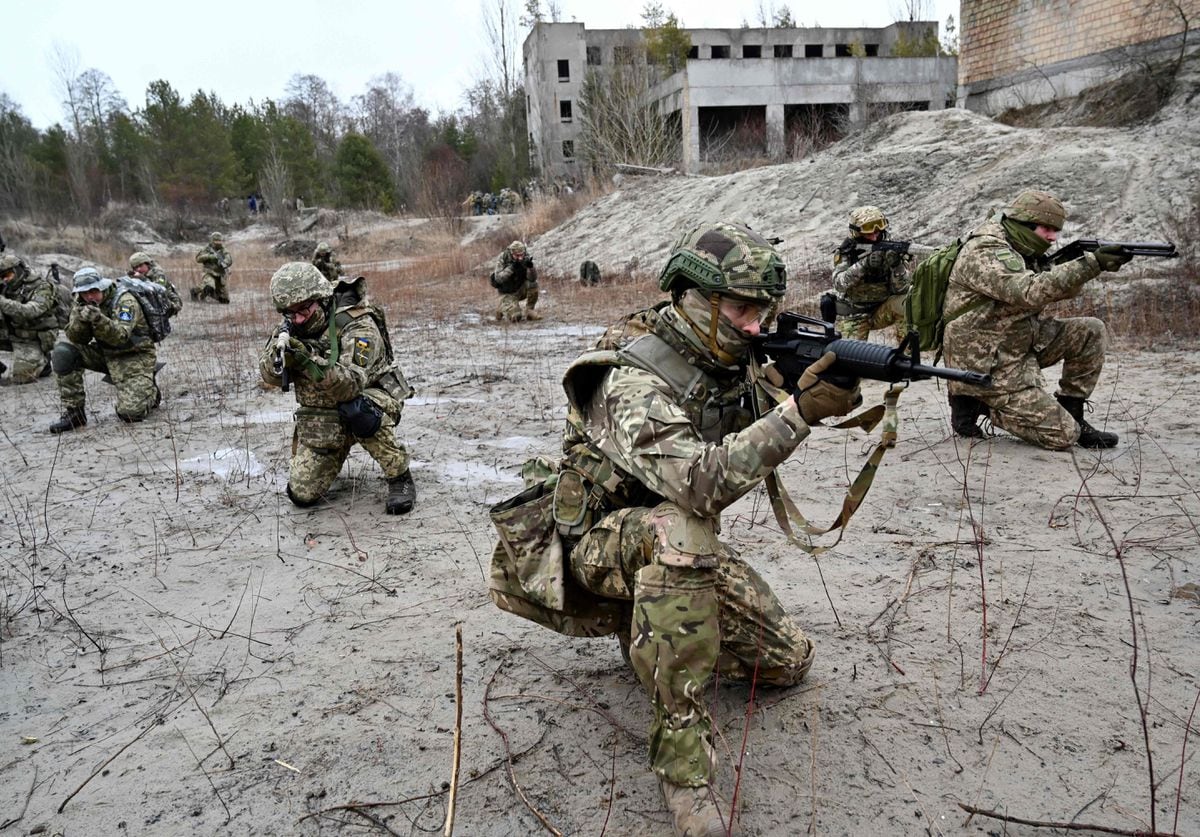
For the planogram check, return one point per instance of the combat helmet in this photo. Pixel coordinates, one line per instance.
(323, 249)
(1034, 206)
(726, 258)
(298, 282)
(867, 219)
(89, 279)
(216, 238)
(139, 258)
(517, 247)
(11, 261)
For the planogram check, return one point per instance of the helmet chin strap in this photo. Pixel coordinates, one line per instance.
(709, 335)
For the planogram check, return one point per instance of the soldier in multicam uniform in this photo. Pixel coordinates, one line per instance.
(621, 537)
(994, 324)
(870, 285)
(326, 261)
(216, 261)
(142, 266)
(28, 324)
(107, 333)
(515, 278)
(348, 386)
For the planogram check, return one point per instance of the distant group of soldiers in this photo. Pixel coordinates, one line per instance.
(670, 420)
(505, 202)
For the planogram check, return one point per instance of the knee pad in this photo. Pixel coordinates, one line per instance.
(64, 358)
(296, 501)
(682, 539)
(360, 417)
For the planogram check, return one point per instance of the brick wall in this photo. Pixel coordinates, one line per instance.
(1002, 37)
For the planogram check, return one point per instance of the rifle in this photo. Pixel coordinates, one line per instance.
(852, 250)
(280, 364)
(1071, 252)
(798, 341)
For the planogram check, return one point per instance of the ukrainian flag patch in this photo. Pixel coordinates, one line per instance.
(362, 351)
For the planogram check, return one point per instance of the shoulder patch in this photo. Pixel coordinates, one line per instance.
(362, 351)
(125, 312)
(1010, 260)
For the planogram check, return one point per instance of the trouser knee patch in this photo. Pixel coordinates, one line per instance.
(300, 502)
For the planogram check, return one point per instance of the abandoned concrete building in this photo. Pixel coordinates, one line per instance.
(775, 86)
(770, 84)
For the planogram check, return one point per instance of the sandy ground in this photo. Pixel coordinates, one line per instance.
(183, 652)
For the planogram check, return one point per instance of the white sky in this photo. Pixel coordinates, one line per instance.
(246, 50)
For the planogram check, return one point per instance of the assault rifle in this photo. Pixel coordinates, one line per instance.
(1071, 252)
(280, 364)
(798, 341)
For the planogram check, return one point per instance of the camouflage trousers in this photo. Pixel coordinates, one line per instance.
(687, 623)
(30, 356)
(315, 466)
(215, 286)
(132, 373)
(510, 304)
(1019, 402)
(890, 312)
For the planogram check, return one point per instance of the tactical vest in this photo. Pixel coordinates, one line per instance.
(22, 291)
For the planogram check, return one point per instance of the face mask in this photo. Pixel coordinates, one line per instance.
(314, 325)
(712, 332)
(1024, 240)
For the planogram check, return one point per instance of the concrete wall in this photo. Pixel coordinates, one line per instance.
(1017, 52)
(545, 46)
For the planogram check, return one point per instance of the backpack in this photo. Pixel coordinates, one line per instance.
(156, 305)
(63, 300)
(924, 304)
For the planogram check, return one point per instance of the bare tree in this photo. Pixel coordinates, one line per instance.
(387, 114)
(276, 183)
(619, 124)
(443, 184)
(500, 23)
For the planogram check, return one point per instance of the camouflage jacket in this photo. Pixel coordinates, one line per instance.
(860, 285)
(159, 277)
(329, 266)
(216, 262)
(121, 329)
(697, 449)
(1001, 296)
(27, 306)
(514, 272)
(363, 361)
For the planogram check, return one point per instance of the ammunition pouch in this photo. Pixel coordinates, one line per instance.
(360, 416)
(320, 429)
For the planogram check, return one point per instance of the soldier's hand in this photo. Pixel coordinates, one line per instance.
(90, 313)
(819, 399)
(875, 261)
(1111, 257)
(894, 258)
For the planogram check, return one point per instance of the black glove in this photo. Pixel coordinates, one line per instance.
(876, 261)
(1111, 257)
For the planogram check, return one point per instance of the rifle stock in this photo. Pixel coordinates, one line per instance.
(1076, 249)
(798, 341)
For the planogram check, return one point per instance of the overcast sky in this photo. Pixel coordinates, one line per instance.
(247, 50)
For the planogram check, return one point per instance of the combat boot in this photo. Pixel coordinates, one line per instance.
(694, 810)
(964, 416)
(402, 494)
(531, 315)
(1089, 437)
(72, 419)
(194, 293)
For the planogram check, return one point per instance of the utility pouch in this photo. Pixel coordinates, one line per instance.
(360, 417)
(319, 428)
(570, 503)
(394, 384)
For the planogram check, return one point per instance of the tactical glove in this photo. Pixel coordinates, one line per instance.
(818, 399)
(90, 313)
(876, 261)
(1111, 257)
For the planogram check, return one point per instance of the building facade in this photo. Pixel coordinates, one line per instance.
(772, 80)
(1024, 52)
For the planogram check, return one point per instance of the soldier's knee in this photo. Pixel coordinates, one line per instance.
(301, 500)
(682, 539)
(64, 358)
(796, 664)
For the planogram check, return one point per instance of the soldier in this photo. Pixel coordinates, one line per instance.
(28, 324)
(142, 266)
(515, 278)
(326, 261)
(216, 261)
(348, 386)
(869, 285)
(657, 445)
(998, 288)
(107, 333)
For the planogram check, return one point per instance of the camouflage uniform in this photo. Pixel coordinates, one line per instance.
(115, 341)
(325, 261)
(28, 324)
(216, 261)
(158, 276)
(622, 535)
(993, 307)
(517, 282)
(362, 365)
(870, 288)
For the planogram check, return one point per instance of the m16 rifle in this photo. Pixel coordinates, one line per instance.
(798, 341)
(280, 364)
(1071, 252)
